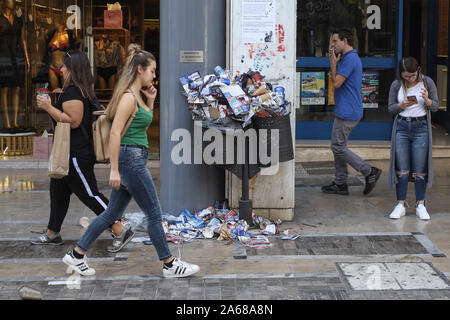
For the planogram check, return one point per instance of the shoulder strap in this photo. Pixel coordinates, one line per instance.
(130, 120)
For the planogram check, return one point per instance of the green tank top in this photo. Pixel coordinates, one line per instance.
(136, 134)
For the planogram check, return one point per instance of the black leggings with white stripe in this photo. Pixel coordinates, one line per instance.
(82, 182)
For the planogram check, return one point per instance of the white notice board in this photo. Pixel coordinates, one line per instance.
(262, 37)
(259, 20)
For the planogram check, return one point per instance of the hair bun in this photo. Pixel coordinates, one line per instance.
(133, 49)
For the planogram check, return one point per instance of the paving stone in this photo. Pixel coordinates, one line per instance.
(393, 276)
(352, 214)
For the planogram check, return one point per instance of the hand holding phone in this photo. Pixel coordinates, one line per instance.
(412, 99)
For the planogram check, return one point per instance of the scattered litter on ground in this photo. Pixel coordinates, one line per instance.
(27, 293)
(140, 239)
(258, 242)
(84, 222)
(209, 223)
(291, 237)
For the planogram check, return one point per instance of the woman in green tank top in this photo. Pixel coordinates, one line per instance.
(136, 134)
(129, 175)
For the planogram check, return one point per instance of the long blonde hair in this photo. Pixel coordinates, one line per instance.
(136, 57)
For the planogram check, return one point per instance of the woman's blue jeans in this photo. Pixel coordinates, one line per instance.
(412, 143)
(136, 182)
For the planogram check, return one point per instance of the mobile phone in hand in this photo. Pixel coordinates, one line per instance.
(412, 99)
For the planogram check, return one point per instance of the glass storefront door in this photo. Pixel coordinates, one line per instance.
(35, 35)
(374, 24)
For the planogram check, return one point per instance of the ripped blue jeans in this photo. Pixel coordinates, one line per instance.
(412, 142)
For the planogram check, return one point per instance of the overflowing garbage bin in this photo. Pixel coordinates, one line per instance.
(241, 107)
(285, 144)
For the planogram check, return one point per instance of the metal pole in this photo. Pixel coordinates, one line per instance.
(245, 204)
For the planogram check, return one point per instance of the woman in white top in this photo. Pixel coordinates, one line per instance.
(412, 97)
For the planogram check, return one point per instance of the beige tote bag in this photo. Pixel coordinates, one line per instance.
(58, 164)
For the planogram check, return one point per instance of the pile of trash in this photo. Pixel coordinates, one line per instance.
(209, 223)
(223, 96)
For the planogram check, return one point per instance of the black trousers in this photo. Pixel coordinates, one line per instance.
(82, 182)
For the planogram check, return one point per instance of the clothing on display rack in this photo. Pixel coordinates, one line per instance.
(14, 62)
(12, 53)
(109, 56)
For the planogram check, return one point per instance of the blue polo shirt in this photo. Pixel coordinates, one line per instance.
(348, 97)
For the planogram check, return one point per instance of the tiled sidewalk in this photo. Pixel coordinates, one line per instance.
(286, 288)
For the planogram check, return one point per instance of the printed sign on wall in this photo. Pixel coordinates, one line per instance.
(259, 21)
(370, 89)
(313, 88)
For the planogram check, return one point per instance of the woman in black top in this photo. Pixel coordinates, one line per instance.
(74, 107)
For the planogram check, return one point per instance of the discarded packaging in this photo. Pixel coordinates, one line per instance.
(208, 233)
(258, 242)
(291, 237)
(239, 97)
(205, 224)
(271, 229)
(140, 239)
(191, 219)
(224, 233)
(27, 293)
(84, 222)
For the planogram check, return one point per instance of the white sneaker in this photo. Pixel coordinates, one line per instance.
(422, 213)
(78, 265)
(399, 211)
(180, 269)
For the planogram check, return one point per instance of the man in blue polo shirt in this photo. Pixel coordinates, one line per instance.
(346, 74)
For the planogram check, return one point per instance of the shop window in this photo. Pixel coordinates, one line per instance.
(316, 95)
(35, 35)
(443, 28)
(373, 23)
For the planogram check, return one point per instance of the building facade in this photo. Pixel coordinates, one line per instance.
(384, 31)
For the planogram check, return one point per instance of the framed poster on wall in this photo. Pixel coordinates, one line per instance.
(313, 88)
(370, 89)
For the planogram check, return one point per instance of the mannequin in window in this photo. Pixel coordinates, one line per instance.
(109, 58)
(14, 61)
(59, 41)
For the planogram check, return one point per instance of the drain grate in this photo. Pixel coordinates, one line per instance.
(318, 174)
(318, 168)
(343, 245)
(392, 276)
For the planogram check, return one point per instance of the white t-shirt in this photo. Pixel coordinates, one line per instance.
(416, 110)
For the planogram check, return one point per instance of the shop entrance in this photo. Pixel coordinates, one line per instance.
(111, 38)
(375, 28)
(46, 30)
(414, 38)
